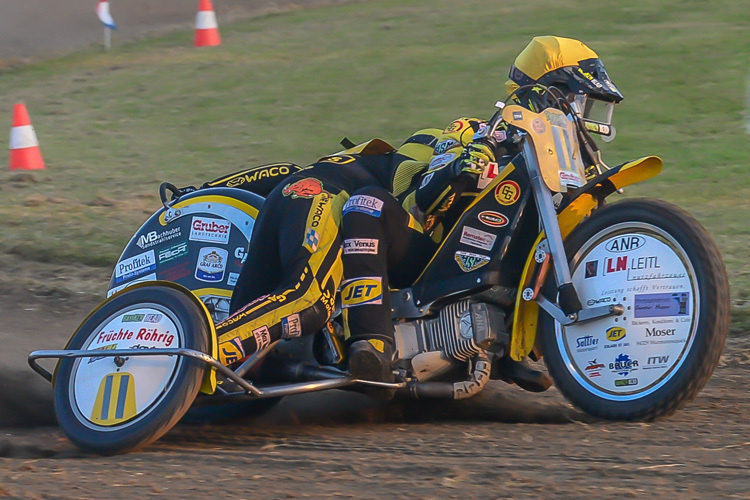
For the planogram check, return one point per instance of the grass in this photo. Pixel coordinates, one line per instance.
(290, 86)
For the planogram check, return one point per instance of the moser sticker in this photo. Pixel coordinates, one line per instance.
(210, 230)
(658, 305)
(492, 219)
(212, 262)
(232, 279)
(365, 204)
(626, 243)
(441, 160)
(173, 252)
(153, 238)
(291, 326)
(362, 291)
(477, 238)
(507, 193)
(468, 261)
(360, 245)
(149, 277)
(135, 266)
(262, 337)
(488, 175)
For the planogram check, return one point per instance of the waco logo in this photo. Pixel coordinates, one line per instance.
(625, 243)
(615, 333)
(362, 291)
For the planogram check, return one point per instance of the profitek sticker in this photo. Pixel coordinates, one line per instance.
(135, 266)
(364, 204)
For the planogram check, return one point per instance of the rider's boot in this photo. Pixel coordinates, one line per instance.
(373, 360)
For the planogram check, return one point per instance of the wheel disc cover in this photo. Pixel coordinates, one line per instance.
(628, 357)
(105, 396)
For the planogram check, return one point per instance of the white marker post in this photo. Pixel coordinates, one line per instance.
(102, 11)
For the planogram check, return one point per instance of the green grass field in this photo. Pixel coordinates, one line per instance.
(289, 87)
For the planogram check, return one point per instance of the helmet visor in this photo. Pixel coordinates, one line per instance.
(592, 109)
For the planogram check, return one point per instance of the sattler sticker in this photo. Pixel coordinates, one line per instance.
(492, 219)
(507, 193)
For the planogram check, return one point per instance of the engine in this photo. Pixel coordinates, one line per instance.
(459, 332)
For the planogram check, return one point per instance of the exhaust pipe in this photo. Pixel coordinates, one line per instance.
(458, 390)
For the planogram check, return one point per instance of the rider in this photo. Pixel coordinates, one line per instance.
(385, 246)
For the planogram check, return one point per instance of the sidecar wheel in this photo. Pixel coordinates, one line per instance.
(109, 405)
(662, 266)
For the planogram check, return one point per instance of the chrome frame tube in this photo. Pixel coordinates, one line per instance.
(547, 215)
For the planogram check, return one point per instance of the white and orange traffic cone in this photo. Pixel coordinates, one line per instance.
(24, 146)
(206, 27)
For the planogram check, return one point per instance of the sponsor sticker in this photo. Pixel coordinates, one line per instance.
(426, 179)
(150, 277)
(262, 337)
(365, 204)
(232, 279)
(153, 238)
(231, 351)
(173, 252)
(176, 273)
(488, 175)
(362, 291)
(517, 115)
(291, 326)
(477, 238)
(500, 135)
(492, 219)
(339, 159)
(360, 245)
(538, 126)
(616, 333)
(455, 126)
(210, 230)
(110, 347)
(240, 253)
(623, 365)
(507, 193)
(626, 382)
(594, 369)
(623, 244)
(212, 262)
(263, 172)
(570, 178)
(135, 266)
(445, 145)
(656, 362)
(468, 261)
(441, 160)
(658, 305)
(592, 269)
(586, 343)
(304, 188)
(311, 240)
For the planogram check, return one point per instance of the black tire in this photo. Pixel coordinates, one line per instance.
(697, 360)
(168, 405)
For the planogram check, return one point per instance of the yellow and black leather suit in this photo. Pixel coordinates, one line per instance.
(294, 266)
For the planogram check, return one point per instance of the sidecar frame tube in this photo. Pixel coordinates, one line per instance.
(335, 382)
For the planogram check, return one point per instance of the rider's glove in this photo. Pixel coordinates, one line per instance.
(473, 160)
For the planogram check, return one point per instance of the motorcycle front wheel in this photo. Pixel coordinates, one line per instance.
(662, 266)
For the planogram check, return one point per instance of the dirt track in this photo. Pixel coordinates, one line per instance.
(505, 443)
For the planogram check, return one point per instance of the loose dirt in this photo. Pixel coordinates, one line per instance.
(504, 443)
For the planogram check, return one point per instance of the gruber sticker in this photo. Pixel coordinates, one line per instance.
(470, 261)
(212, 262)
(210, 230)
(365, 204)
(659, 305)
(507, 193)
(362, 291)
(360, 245)
(492, 219)
(477, 238)
(135, 266)
(304, 188)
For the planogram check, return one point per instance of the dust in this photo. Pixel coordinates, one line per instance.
(24, 401)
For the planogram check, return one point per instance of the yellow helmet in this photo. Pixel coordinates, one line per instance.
(564, 63)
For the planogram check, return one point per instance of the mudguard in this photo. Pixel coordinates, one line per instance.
(579, 206)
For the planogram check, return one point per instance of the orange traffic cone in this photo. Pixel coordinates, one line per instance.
(206, 27)
(24, 146)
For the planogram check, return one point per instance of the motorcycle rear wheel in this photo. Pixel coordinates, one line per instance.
(110, 408)
(664, 268)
